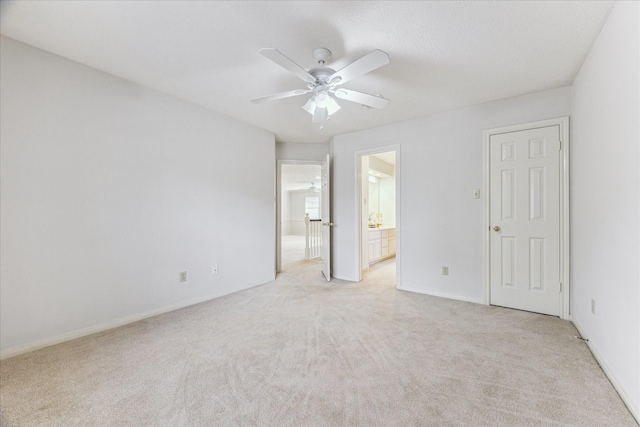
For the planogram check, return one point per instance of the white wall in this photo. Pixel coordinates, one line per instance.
(285, 205)
(387, 189)
(109, 190)
(440, 165)
(300, 151)
(296, 215)
(605, 199)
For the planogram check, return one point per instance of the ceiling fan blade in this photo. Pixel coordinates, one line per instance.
(367, 63)
(280, 95)
(279, 58)
(362, 98)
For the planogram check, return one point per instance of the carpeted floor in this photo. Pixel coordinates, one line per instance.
(292, 248)
(304, 352)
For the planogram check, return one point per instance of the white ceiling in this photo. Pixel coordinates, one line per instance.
(444, 54)
(388, 157)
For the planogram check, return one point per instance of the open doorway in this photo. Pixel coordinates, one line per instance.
(298, 204)
(379, 211)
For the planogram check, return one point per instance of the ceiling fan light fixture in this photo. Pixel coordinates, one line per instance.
(321, 99)
(314, 188)
(332, 105)
(319, 115)
(310, 106)
(324, 101)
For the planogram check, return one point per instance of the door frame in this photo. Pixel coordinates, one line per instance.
(358, 214)
(563, 123)
(279, 164)
(325, 209)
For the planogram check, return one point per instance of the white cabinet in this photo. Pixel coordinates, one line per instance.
(375, 248)
(392, 241)
(382, 244)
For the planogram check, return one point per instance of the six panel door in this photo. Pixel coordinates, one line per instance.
(525, 220)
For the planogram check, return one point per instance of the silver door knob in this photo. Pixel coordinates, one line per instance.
(496, 228)
(327, 224)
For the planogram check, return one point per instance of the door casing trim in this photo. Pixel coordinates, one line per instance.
(563, 122)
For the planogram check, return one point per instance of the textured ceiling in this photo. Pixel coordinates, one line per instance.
(444, 55)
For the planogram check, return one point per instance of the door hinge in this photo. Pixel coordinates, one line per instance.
(560, 287)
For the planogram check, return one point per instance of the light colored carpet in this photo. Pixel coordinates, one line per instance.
(303, 352)
(292, 248)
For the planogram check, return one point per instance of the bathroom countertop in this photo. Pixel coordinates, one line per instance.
(383, 227)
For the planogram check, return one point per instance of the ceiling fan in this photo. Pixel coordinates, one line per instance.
(324, 82)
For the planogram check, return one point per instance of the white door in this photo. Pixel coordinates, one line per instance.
(525, 220)
(325, 194)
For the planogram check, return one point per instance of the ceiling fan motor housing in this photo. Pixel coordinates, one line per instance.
(321, 74)
(322, 55)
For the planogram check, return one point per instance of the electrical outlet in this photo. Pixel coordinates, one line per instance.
(445, 271)
(214, 270)
(593, 306)
(183, 276)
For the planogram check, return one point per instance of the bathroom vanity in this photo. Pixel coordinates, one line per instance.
(382, 244)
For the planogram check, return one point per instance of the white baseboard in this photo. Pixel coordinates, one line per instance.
(345, 278)
(79, 333)
(632, 406)
(440, 294)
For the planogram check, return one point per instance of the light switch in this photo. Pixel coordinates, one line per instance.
(476, 194)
